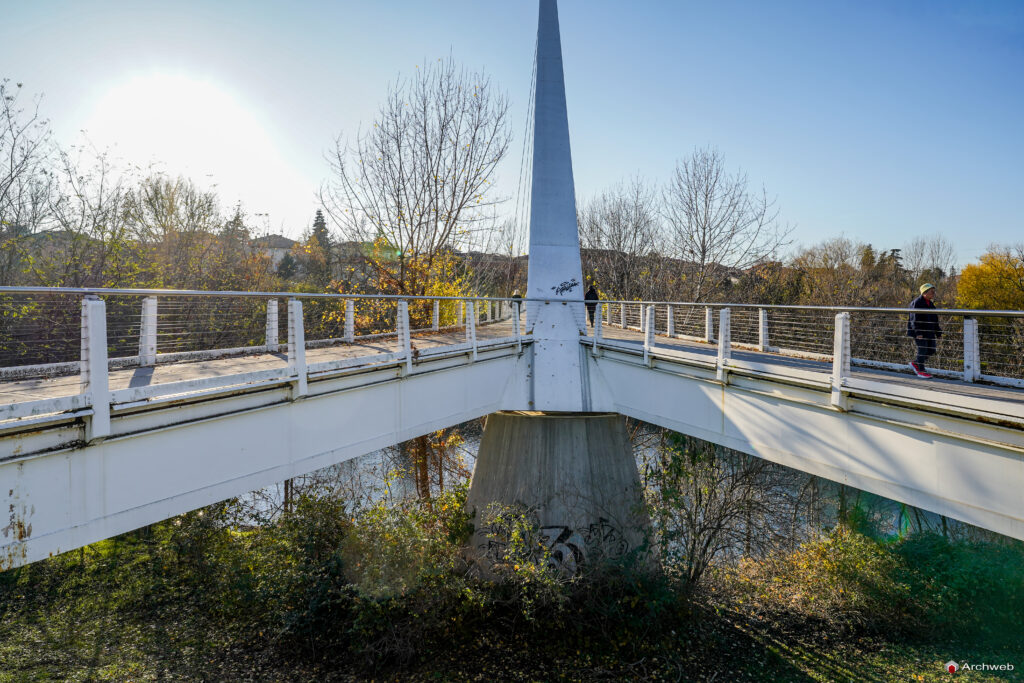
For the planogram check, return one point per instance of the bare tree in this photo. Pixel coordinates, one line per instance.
(418, 185)
(623, 241)
(25, 183)
(839, 271)
(177, 223)
(88, 243)
(709, 503)
(499, 267)
(831, 271)
(717, 225)
(420, 181)
(932, 258)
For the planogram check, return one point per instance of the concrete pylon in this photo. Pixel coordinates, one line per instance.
(573, 472)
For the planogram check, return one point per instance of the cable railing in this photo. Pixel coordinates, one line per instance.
(973, 345)
(69, 349)
(72, 349)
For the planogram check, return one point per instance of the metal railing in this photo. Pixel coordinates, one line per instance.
(975, 345)
(88, 350)
(92, 349)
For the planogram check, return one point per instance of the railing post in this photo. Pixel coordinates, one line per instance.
(519, 336)
(724, 343)
(297, 348)
(597, 327)
(670, 325)
(471, 327)
(404, 334)
(147, 332)
(709, 325)
(622, 316)
(350, 321)
(640, 308)
(488, 312)
(841, 360)
(762, 329)
(649, 335)
(94, 374)
(435, 322)
(272, 345)
(972, 350)
(460, 313)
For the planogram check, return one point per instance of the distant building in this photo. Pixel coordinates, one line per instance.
(274, 247)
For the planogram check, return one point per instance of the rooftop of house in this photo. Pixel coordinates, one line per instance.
(274, 242)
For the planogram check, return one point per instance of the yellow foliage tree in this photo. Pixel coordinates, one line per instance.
(996, 282)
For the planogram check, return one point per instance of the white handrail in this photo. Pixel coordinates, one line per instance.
(297, 347)
(272, 325)
(724, 344)
(94, 381)
(841, 360)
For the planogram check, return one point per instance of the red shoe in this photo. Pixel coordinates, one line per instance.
(919, 370)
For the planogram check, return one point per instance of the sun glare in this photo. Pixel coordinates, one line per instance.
(196, 128)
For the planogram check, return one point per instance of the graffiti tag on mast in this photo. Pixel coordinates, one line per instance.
(566, 286)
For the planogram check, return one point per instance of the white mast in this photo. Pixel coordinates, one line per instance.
(554, 268)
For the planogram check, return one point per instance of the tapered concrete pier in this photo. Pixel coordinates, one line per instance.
(572, 473)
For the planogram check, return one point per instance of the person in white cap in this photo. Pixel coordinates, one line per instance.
(924, 329)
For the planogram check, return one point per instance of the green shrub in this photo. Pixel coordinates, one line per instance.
(920, 586)
(844, 578)
(968, 589)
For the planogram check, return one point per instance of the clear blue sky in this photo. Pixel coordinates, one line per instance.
(877, 120)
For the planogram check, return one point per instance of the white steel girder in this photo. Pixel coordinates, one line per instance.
(960, 467)
(165, 461)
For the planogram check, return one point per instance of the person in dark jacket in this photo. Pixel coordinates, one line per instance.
(924, 329)
(591, 295)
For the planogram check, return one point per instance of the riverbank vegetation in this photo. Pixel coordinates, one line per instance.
(334, 590)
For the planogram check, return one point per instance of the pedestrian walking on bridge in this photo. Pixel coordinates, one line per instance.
(924, 329)
(591, 295)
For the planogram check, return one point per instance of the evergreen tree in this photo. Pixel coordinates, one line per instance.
(319, 265)
(323, 238)
(287, 267)
(867, 257)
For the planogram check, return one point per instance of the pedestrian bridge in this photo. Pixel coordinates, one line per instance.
(119, 408)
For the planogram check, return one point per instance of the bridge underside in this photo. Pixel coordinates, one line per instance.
(948, 463)
(184, 452)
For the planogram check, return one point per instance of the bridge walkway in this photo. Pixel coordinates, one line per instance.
(373, 351)
(633, 340)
